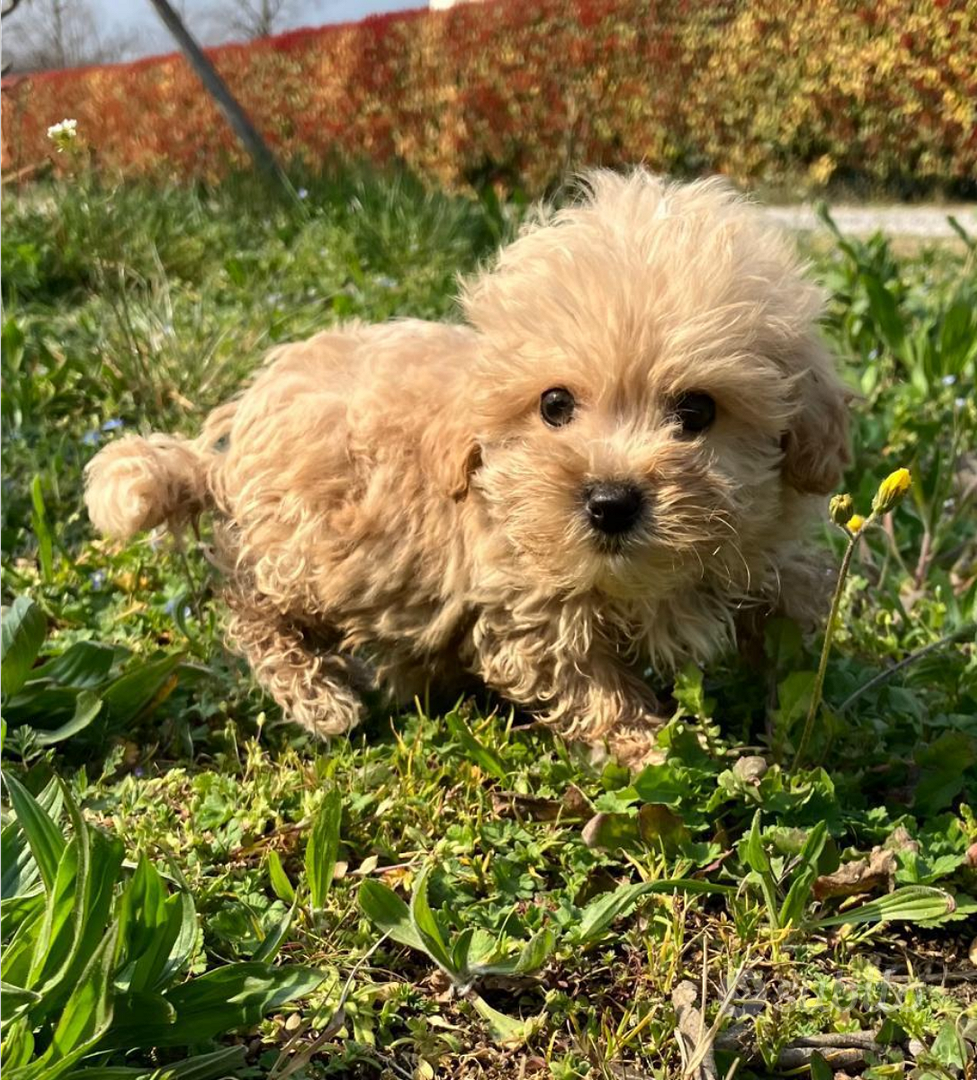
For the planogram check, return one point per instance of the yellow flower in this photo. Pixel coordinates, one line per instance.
(891, 490)
(855, 523)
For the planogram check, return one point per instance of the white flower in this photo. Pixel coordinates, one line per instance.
(63, 135)
(302, 193)
(949, 380)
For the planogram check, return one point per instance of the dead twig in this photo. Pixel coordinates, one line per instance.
(694, 1042)
(839, 1049)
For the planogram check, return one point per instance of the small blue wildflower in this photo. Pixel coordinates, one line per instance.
(873, 354)
(138, 771)
(949, 380)
(91, 438)
(960, 402)
(302, 193)
(385, 281)
(97, 579)
(113, 425)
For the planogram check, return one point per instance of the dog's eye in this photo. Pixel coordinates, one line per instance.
(556, 406)
(695, 411)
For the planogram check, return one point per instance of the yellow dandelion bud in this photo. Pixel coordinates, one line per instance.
(855, 523)
(840, 509)
(891, 490)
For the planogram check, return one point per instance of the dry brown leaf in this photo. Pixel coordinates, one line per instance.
(859, 876)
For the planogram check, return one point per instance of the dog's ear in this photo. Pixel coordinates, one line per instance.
(458, 469)
(815, 443)
(452, 455)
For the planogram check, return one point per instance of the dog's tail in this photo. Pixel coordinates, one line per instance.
(140, 483)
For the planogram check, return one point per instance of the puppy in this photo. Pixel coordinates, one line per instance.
(615, 455)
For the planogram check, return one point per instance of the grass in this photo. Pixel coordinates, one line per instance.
(472, 896)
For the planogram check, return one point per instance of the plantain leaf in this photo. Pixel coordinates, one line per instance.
(87, 707)
(21, 637)
(46, 841)
(230, 997)
(279, 879)
(426, 924)
(792, 911)
(323, 847)
(914, 903)
(384, 908)
(598, 915)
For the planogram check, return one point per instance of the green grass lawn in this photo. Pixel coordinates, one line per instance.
(207, 893)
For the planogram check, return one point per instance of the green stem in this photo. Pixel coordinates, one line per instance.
(829, 634)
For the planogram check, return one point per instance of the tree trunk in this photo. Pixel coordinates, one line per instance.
(252, 141)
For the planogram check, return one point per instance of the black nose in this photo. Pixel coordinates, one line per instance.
(613, 506)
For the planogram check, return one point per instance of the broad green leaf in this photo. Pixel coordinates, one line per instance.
(794, 697)
(914, 903)
(384, 908)
(598, 915)
(792, 911)
(20, 872)
(752, 851)
(181, 909)
(487, 760)
(77, 913)
(268, 949)
(460, 949)
(219, 1065)
(87, 1013)
(45, 838)
(503, 1029)
(92, 914)
(13, 1000)
(663, 784)
(949, 1047)
(535, 952)
(150, 923)
(232, 997)
(21, 946)
(145, 684)
(83, 666)
(280, 884)
(22, 632)
(426, 924)
(18, 1045)
(39, 523)
(820, 1069)
(137, 1017)
(16, 910)
(87, 707)
(530, 958)
(323, 847)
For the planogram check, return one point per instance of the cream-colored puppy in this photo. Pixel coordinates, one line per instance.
(610, 460)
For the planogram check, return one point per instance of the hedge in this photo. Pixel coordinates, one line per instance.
(877, 91)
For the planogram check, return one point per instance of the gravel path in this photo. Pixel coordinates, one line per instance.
(924, 222)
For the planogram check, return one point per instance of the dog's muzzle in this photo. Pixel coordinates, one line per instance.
(613, 507)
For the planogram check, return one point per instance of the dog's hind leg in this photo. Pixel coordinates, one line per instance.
(314, 687)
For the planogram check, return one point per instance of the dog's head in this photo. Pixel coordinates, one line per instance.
(651, 389)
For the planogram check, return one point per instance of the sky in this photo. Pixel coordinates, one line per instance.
(136, 18)
(138, 15)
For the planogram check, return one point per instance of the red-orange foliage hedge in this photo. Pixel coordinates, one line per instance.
(770, 90)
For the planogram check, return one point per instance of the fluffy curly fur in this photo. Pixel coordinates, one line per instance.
(391, 507)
